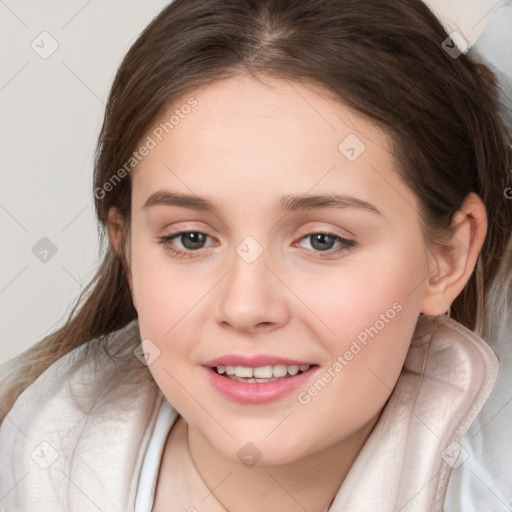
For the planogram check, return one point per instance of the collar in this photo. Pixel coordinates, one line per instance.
(405, 464)
(76, 439)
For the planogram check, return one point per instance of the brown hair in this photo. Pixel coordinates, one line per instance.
(383, 59)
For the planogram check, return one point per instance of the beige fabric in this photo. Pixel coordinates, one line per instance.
(98, 419)
(405, 464)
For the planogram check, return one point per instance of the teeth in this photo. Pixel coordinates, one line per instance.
(262, 373)
(243, 371)
(279, 370)
(293, 370)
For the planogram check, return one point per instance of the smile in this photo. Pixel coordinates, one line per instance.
(260, 374)
(261, 384)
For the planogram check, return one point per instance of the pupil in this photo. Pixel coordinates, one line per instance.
(320, 238)
(196, 240)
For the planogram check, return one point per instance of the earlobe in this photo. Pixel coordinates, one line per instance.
(454, 259)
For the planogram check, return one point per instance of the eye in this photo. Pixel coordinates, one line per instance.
(191, 241)
(324, 241)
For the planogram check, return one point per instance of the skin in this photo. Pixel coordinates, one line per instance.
(244, 145)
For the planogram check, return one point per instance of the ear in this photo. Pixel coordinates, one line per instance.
(453, 261)
(116, 227)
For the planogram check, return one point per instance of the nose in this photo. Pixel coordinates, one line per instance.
(253, 297)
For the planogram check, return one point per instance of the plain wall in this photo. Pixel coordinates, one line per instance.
(51, 111)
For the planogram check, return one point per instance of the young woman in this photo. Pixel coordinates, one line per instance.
(295, 193)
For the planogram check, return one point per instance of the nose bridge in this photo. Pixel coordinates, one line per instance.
(251, 294)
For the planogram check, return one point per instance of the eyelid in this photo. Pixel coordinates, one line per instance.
(345, 243)
(331, 231)
(303, 231)
(176, 235)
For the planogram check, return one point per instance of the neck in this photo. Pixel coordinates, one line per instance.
(309, 483)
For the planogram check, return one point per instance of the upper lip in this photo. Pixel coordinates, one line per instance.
(253, 361)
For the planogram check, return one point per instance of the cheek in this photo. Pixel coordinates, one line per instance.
(166, 300)
(371, 291)
(368, 313)
(165, 309)
(159, 287)
(371, 313)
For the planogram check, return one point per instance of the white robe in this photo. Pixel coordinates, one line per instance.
(76, 439)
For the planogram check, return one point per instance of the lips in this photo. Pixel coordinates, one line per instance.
(257, 379)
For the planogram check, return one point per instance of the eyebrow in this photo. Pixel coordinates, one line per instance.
(287, 203)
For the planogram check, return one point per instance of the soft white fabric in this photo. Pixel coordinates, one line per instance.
(95, 417)
(483, 483)
(406, 462)
(99, 418)
(148, 478)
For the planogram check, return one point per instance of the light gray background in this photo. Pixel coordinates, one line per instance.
(50, 116)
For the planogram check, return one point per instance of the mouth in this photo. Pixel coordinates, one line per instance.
(260, 374)
(259, 384)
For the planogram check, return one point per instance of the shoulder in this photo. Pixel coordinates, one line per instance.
(79, 378)
(97, 401)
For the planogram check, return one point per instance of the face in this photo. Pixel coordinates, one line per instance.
(257, 274)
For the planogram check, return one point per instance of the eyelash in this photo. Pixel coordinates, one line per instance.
(165, 241)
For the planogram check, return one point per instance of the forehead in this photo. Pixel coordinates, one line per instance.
(244, 134)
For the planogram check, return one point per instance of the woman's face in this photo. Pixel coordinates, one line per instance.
(255, 284)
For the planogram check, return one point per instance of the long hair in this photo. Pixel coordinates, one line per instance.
(386, 60)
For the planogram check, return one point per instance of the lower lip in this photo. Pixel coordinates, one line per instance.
(258, 392)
